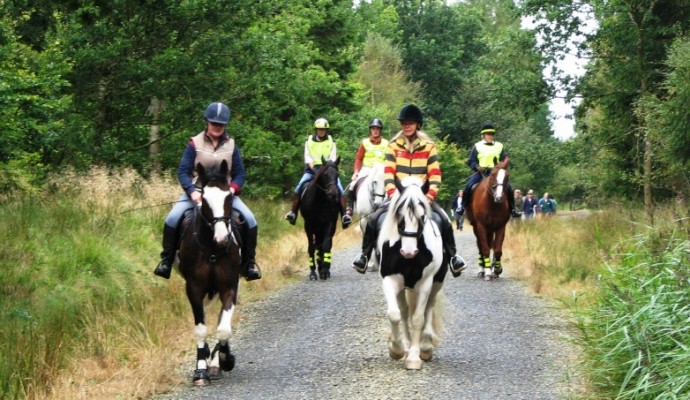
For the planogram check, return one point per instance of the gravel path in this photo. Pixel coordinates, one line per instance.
(327, 340)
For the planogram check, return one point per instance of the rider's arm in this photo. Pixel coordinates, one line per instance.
(238, 173)
(390, 167)
(308, 160)
(334, 152)
(433, 171)
(473, 159)
(359, 158)
(185, 170)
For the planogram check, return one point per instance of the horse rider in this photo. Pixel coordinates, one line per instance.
(411, 153)
(481, 160)
(318, 145)
(371, 152)
(209, 148)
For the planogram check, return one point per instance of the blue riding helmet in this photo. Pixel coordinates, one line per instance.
(218, 113)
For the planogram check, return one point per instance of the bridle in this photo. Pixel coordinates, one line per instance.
(401, 222)
(321, 172)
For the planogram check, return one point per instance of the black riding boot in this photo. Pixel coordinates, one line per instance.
(456, 263)
(292, 215)
(249, 268)
(511, 203)
(368, 243)
(345, 212)
(168, 254)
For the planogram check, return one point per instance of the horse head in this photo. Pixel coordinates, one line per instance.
(498, 179)
(327, 177)
(216, 201)
(411, 211)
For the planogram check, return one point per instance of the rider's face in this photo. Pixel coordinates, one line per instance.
(375, 131)
(409, 128)
(214, 129)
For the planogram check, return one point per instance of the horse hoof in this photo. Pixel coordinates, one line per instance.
(480, 274)
(201, 378)
(413, 364)
(426, 355)
(227, 363)
(214, 372)
(312, 276)
(488, 277)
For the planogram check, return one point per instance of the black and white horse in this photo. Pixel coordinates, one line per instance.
(412, 269)
(209, 262)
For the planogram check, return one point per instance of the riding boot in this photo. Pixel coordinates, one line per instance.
(511, 203)
(168, 254)
(346, 212)
(456, 263)
(350, 199)
(291, 217)
(368, 243)
(249, 268)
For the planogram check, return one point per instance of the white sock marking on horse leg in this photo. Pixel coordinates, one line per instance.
(224, 330)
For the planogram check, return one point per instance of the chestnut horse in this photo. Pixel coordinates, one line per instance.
(413, 269)
(209, 262)
(320, 206)
(489, 212)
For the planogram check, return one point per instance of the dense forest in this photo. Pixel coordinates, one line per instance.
(124, 83)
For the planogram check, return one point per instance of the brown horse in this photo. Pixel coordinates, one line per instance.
(489, 212)
(209, 261)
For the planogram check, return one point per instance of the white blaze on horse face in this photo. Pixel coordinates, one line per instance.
(215, 198)
(408, 244)
(500, 180)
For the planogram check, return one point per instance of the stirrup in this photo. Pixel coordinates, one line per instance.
(291, 218)
(457, 265)
(163, 270)
(360, 266)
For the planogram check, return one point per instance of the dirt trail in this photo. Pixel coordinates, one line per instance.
(327, 340)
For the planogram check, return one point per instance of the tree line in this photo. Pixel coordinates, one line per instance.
(124, 83)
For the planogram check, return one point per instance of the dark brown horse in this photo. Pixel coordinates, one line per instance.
(209, 261)
(489, 212)
(320, 208)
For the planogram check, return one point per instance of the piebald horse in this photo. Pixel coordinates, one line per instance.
(209, 262)
(413, 268)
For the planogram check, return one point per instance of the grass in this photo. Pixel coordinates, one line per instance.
(84, 317)
(627, 285)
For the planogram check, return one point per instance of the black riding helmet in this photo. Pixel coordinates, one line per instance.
(411, 112)
(376, 123)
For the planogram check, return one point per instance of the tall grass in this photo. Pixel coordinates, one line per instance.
(628, 284)
(83, 315)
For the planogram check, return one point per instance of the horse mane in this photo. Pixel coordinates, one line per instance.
(410, 195)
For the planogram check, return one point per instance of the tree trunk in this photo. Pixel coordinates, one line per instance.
(154, 110)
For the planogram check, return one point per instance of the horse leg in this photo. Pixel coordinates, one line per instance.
(200, 377)
(325, 259)
(482, 236)
(393, 286)
(433, 322)
(221, 357)
(312, 258)
(423, 291)
(498, 251)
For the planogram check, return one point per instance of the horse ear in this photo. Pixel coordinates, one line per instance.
(337, 161)
(200, 169)
(224, 167)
